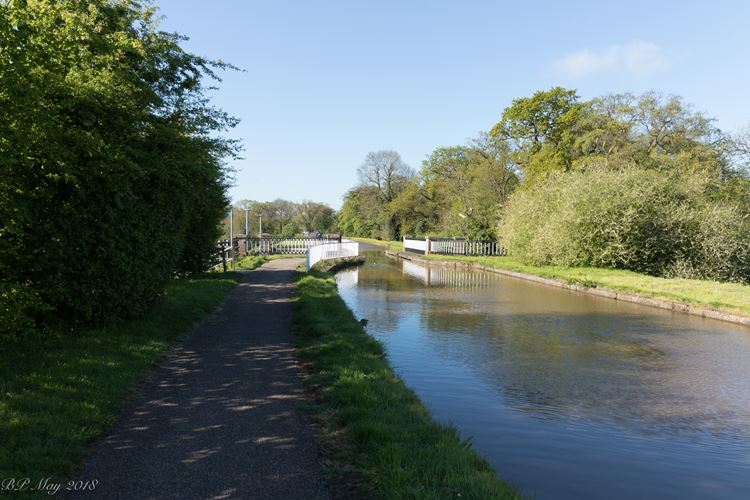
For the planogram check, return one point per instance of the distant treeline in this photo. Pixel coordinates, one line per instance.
(282, 218)
(633, 182)
(111, 169)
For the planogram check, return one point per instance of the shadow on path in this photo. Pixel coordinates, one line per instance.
(219, 418)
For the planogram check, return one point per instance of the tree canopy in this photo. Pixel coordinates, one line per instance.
(111, 167)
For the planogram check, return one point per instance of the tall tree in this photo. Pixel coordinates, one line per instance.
(539, 129)
(650, 130)
(385, 170)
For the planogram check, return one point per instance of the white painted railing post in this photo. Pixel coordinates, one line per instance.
(427, 245)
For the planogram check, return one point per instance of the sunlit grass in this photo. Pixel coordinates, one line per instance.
(373, 422)
(59, 391)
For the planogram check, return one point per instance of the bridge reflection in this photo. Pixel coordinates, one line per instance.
(445, 277)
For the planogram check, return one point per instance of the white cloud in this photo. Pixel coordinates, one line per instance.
(636, 58)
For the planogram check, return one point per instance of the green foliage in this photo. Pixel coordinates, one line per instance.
(110, 163)
(411, 211)
(312, 216)
(553, 131)
(650, 131)
(364, 214)
(386, 176)
(458, 192)
(468, 186)
(540, 127)
(635, 219)
(19, 305)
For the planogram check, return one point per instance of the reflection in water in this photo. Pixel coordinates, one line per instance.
(567, 395)
(440, 276)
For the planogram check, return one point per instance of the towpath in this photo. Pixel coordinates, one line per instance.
(220, 417)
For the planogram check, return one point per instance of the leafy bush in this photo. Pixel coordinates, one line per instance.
(722, 245)
(636, 219)
(111, 178)
(18, 307)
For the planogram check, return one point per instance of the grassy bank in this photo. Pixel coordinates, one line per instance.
(372, 425)
(701, 292)
(60, 391)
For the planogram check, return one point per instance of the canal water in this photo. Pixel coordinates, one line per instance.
(568, 396)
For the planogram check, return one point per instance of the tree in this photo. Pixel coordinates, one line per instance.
(363, 213)
(739, 148)
(386, 171)
(553, 131)
(651, 131)
(111, 162)
(312, 216)
(469, 185)
(412, 211)
(539, 129)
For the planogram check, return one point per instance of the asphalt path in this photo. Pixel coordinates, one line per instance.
(220, 417)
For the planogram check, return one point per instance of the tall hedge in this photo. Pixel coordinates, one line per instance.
(111, 168)
(642, 220)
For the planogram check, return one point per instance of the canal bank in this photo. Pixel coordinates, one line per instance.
(376, 437)
(722, 314)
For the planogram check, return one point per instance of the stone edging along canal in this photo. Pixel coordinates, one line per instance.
(695, 310)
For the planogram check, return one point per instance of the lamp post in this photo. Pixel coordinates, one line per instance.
(231, 232)
(247, 235)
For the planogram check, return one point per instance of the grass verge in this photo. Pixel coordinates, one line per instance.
(371, 424)
(701, 292)
(58, 392)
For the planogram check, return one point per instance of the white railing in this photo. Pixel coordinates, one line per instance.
(277, 246)
(452, 246)
(418, 245)
(346, 248)
(446, 246)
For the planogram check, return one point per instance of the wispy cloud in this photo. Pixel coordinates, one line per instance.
(636, 58)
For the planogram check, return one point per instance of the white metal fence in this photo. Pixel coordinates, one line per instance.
(283, 246)
(346, 248)
(452, 246)
(446, 246)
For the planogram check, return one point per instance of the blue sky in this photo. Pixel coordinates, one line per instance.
(326, 82)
